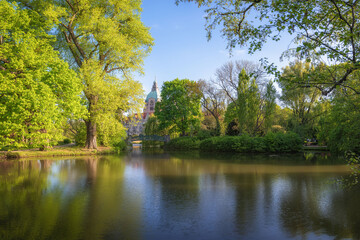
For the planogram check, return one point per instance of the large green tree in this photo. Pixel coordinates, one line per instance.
(179, 108)
(321, 28)
(339, 127)
(252, 111)
(304, 102)
(105, 41)
(38, 91)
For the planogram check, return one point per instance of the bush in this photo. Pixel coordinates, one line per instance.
(119, 146)
(204, 134)
(150, 143)
(272, 142)
(80, 136)
(67, 141)
(183, 143)
(283, 142)
(219, 144)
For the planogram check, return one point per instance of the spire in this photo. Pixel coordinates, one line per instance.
(154, 87)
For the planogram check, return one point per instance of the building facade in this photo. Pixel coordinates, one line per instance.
(135, 124)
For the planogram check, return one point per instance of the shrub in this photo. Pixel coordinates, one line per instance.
(225, 144)
(80, 136)
(203, 134)
(208, 144)
(283, 142)
(273, 142)
(66, 141)
(183, 143)
(150, 143)
(119, 146)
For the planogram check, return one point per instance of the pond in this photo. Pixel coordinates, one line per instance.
(143, 195)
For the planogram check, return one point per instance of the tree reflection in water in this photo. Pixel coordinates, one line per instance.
(175, 196)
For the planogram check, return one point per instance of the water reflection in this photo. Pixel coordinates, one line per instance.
(174, 196)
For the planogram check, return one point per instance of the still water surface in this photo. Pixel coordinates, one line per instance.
(177, 196)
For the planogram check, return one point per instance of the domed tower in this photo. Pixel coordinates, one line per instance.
(151, 99)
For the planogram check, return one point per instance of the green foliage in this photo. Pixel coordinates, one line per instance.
(283, 142)
(66, 141)
(105, 42)
(213, 103)
(303, 101)
(203, 134)
(340, 128)
(38, 90)
(183, 143)
(232, 128)
(152, 127)
(80, 136)
(231, 113)
(151, 143)
(110, 130)
(281, 117)
(119, 145)
(320, 28)
(219, 144)
(270, 106)
(250, 113)
(352, 180)
(272, 142)
(179, 109)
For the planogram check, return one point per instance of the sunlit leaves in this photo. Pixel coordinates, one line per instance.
(179, 108)
(38, 90)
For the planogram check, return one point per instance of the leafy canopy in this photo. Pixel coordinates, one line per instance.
(38, 91)
(179, 108)
(105, 41)
(321, 28)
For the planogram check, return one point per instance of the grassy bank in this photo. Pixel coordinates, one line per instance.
(272, 143)
(55, 152)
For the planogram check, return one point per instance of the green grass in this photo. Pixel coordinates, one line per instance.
(68, 151)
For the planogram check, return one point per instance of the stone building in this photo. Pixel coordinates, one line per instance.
(135, 124)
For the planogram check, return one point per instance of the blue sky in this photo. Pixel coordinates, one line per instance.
(181, 48)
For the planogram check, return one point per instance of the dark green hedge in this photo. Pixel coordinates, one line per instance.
(183, 143)
(150, 143)
(272, 142)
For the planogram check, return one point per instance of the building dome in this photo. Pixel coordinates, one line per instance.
(155, 93)
(152, 94)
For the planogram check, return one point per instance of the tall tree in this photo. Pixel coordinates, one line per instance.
(248, 104)
(179, 108)
(302, 101)
(270, 106)
(38, 91)
(322, 28)
(227, 76)
(106, 41)
(251, 109)
(213, 102)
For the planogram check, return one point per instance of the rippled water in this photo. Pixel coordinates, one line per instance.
(177, 196)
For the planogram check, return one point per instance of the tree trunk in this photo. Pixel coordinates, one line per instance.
(91, 134)
(218, 127)
(91, 124)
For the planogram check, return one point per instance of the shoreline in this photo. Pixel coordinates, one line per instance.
(55, 152)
